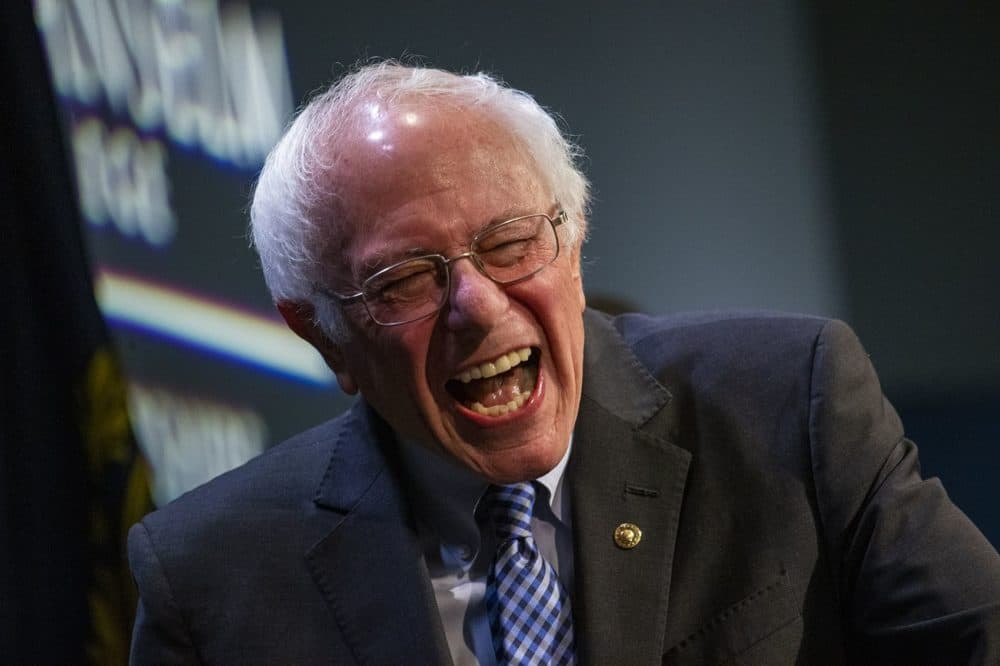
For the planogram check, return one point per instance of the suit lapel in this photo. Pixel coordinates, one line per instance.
(623, 470)
(370, 567)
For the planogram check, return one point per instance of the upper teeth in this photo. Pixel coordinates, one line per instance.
(500, 364)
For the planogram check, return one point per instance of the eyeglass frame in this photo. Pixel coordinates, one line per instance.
(559, 219)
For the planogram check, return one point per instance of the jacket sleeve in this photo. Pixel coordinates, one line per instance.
(919, 584)
(159, 635)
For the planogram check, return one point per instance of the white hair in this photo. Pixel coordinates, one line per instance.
(292, 218)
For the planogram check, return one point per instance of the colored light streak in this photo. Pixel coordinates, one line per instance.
(216, 327)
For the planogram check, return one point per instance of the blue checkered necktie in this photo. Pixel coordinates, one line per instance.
(529, 610)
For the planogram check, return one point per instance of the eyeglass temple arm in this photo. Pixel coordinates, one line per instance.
(349, 298)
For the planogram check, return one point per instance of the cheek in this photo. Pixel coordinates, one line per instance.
(400, 361)
(568, 293)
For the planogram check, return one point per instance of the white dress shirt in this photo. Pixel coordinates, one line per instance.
(446, 496)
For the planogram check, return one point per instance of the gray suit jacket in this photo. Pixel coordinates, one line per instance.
(783, 518)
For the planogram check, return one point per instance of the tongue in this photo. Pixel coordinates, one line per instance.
(498, 390)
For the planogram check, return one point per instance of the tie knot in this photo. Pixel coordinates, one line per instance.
(510, 509)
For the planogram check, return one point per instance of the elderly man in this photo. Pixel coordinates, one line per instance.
(527, 481)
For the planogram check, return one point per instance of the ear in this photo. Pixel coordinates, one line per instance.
(300, 318)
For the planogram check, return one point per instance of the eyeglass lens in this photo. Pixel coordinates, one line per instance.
(416, 288)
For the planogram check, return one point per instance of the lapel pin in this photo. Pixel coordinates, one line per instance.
(627, 536)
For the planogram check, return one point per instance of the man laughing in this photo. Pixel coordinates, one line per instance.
(524, 480)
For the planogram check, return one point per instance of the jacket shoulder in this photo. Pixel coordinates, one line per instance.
(280, 481)
(723, 342)
(204, 562)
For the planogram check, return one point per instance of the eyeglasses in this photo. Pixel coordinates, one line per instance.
(507, 253)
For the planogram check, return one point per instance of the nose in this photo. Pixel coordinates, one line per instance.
(474, 299)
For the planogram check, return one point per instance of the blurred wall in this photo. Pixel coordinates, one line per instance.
(911, 107)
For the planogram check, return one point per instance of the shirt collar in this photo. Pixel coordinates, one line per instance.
(553, 482)
(445, 493)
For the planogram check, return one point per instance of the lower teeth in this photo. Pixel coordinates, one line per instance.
(499, 410)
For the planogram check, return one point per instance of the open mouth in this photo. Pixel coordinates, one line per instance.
(499, 386)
